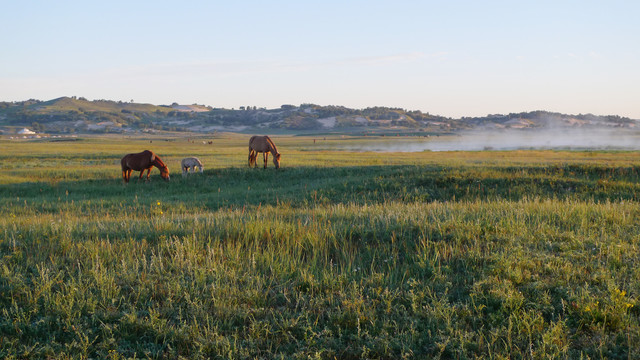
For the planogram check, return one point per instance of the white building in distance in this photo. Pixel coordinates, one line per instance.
(26, 131)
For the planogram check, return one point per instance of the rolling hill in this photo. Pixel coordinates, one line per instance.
(79, 115)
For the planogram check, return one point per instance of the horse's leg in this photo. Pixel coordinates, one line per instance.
(266, 158)
(148, 173)
(142, 174)
(124, 175)
(129, 171)
(252, 157)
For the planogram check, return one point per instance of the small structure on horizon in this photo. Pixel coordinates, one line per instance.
(26, 131)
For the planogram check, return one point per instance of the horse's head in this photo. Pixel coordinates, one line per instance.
(276, 160)
(164, 173)
(164, 170)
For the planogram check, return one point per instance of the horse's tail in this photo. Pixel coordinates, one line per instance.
(251, 151)
(123, 162)
(252, 157)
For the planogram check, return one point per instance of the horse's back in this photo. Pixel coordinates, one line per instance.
(138, 161)
(260, 143)
(252, 142)
(191, 161)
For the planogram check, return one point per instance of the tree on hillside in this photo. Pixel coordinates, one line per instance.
(37, 127)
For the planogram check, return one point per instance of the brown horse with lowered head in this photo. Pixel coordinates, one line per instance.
(264, 145)
(140, 162)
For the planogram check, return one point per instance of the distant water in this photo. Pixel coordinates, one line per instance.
(507, 140)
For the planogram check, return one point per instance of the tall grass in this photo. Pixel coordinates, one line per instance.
(339, 255)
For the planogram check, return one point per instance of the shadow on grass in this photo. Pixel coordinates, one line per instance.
(311, 186)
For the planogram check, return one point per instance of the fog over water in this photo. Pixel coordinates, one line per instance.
(571, 139)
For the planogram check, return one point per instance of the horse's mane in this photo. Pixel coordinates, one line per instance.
(274, 149)
(158, 162)
(152, 155)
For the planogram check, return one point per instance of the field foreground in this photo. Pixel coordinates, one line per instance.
(522, 254)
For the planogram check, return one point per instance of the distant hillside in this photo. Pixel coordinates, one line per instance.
(545, 120)
(79, 115)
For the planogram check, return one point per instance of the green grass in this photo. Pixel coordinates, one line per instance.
(524, 254)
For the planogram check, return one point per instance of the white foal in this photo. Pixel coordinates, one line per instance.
(189, 165)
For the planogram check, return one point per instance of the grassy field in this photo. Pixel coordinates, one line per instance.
(520, 254)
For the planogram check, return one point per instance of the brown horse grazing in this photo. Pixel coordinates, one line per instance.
(264, 145)
(140, 162)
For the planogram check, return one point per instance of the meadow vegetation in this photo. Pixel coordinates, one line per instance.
(516, 254)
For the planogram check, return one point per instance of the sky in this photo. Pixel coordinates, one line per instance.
(453, 58)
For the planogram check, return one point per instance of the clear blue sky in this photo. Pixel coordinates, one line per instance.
(452, 58)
